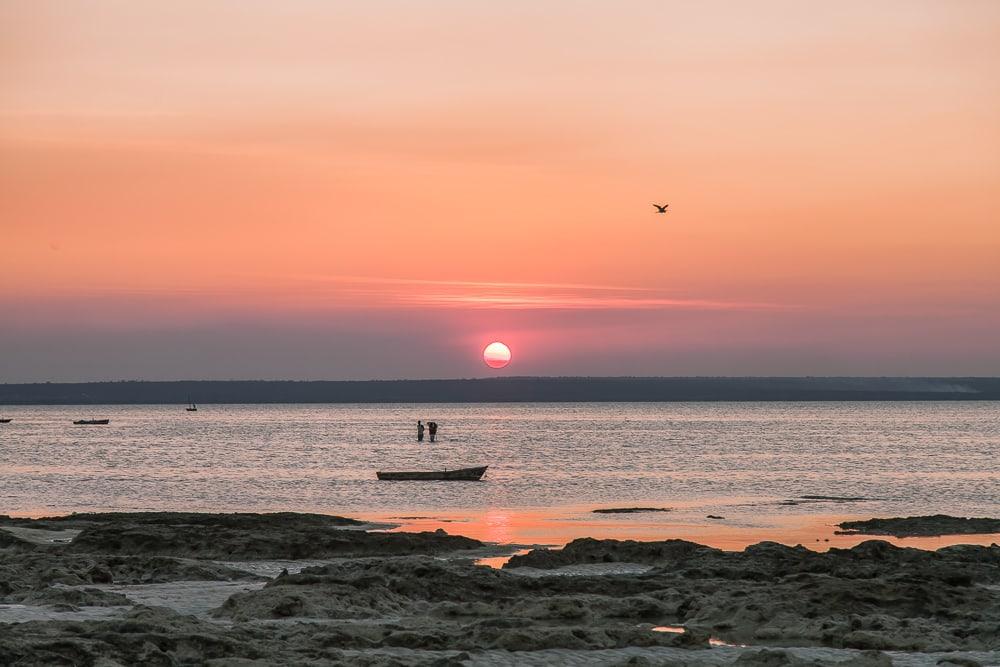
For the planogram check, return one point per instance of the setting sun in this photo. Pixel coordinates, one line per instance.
(496, 355)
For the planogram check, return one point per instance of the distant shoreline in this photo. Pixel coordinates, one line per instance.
(507, 390)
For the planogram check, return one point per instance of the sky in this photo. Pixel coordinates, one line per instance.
(240, 189)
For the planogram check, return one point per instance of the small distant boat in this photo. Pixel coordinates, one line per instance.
(192, 407)
(461, 475)
(5, 421)
(92, 421)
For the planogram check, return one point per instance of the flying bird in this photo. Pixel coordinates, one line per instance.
(661, 209)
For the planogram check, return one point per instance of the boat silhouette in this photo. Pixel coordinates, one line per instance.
(460, 475)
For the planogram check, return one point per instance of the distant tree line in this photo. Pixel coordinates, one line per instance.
(509, 389)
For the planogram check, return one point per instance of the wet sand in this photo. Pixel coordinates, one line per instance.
(196, 589)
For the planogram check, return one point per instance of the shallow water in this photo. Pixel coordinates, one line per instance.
(737, 460)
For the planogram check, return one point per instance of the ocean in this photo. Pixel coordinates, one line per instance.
(550, 463)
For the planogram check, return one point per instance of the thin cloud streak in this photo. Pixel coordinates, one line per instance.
(532, 296)
(363, 293)
(469, 283)
(534, 302)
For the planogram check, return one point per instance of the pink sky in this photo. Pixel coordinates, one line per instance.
(304, 189)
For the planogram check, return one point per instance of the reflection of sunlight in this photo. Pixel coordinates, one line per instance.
(680, 629)
(556, 527)
(498, 527)
(498, 562)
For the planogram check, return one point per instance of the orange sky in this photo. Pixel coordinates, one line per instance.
(313, 189)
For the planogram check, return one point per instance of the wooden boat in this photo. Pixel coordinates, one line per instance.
(192, 408)
(5, 421)
(462, 475)
(92, 421)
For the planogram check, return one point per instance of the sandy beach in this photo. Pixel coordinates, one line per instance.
(307, 589)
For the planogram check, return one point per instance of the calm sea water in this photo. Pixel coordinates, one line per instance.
(737, 457)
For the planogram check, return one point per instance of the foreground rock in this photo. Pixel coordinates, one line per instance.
(281, 542)
(921, 526)
(459, 605)
(241, 520)
(238, 536)
(23, 577)
(872, 596)
(144, 636)
(414, 599)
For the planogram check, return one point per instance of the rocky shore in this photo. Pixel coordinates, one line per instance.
(922, 526)
(266, 589)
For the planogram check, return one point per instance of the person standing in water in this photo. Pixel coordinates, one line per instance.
(420, 431)
(432, 428)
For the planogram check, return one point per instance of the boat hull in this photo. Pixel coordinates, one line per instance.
(92, 422)
(461, 475)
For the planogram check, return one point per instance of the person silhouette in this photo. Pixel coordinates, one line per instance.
(432, 428)
(420, 431)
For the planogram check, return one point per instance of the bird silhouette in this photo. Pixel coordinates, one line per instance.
(661, 209)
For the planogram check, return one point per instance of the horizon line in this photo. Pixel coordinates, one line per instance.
(529, 377)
